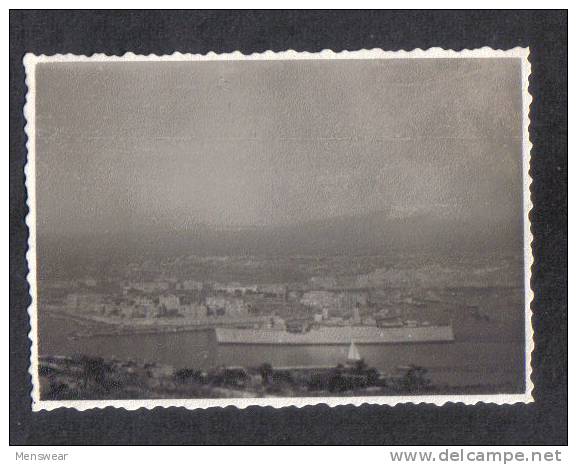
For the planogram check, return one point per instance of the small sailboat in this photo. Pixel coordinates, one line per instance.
(353, 355)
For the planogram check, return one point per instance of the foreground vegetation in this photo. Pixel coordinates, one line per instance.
(85, 377)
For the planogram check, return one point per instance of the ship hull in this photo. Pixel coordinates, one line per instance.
(342, 335)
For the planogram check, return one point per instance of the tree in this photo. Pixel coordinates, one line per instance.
(360, 366)
(94, 370)
(187, 375)
(415, 379)
(372, 376)
(266, 371)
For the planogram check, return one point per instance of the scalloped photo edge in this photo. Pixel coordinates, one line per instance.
(30, 61)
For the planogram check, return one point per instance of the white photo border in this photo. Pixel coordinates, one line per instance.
(30, 61)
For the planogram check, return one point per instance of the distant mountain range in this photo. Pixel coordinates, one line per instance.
(375, 233)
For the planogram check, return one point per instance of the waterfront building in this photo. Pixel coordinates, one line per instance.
(273, 290)
(194, 310)
(126, 311)
(294, 295)
(376, 278)
(336, 320)
(169, 301)
(140, 299)
(190, 285)
(277, 322)
(235, 288)
(147, 286)
(141, 311)
(369, 321)
(321, 299)
(352, 299)
(84, 301)
(364, 280)
(225, 305)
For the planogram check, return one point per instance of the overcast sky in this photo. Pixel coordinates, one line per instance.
(245, 143)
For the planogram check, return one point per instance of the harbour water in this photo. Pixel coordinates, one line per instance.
(455, 364)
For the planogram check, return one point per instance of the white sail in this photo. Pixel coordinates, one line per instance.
(353, 355)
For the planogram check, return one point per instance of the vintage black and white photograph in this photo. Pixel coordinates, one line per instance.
(279, 229)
